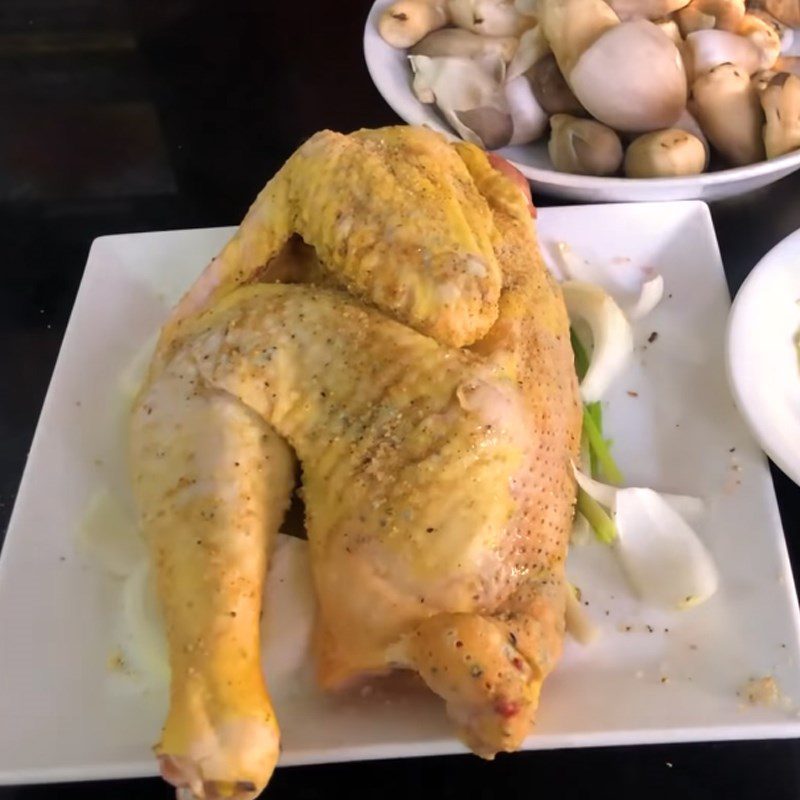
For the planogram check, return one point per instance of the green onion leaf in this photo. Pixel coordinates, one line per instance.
(602, 524)
(581, 356)
(599, 448)
(596, 413)
(601, 461)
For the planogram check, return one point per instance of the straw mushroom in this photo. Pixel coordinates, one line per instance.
(665, 154)
(469, 93)
(709, 49)
(784, 31)
(671, 29)
(690, 20)
(724, 15)
(762, 78)
(489, 17)
(528, 118)
(532, 47)
(789, 64)
(645, 9)
(628, 75)
(550, 89)
(787, 11)
(572, 26)
(686, 122)
(583, 146)
(528, 7)
(726, 105)
(781, 103)
(764, 37)
(405, 22)
(455, 42)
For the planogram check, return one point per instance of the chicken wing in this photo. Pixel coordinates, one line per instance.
(409, 234)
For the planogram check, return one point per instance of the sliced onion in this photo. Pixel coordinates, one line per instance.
(288, 619)
(649, 297)
(289, 608)
(663, 557)
(131, 378)
(579, 624)
(636, 301)
(690, 508)
(611, 335)
(576, 268)
(109, 535)
(603, 493)
(143, 639)
(710, 48)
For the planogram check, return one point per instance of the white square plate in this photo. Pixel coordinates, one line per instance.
(650, 677)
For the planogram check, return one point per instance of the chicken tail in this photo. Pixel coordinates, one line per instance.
(491, 688)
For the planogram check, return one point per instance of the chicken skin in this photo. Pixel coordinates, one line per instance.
(407, 233)
(417, 364)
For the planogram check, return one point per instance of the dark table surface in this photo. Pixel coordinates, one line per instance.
(123, 116)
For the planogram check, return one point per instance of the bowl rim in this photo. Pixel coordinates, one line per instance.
(410, 111)
(744, 302)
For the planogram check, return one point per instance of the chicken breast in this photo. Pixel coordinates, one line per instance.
(436, 476)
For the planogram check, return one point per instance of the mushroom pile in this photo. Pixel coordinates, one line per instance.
(647, 88)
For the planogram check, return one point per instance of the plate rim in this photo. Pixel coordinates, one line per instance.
(746, 298)
(629, 737)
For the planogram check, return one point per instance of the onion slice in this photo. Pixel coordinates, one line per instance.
(664, 559)
(636, 301)
(289, 610)
(690, 508)
(286, 631)
(109, 535)
(144, 641)
(611, 335)
(576, 268)
(649, 297)
(603, 493)
(579, 624)
(710, 48)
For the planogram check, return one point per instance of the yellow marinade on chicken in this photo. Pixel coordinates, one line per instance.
(412, 353)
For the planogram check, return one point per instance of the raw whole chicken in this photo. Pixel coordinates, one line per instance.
(383, 316)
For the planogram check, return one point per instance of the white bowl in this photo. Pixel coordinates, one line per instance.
(391, 74)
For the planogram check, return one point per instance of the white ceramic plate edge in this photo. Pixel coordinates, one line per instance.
(744, 304)
(302, 755)
(444, 747)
